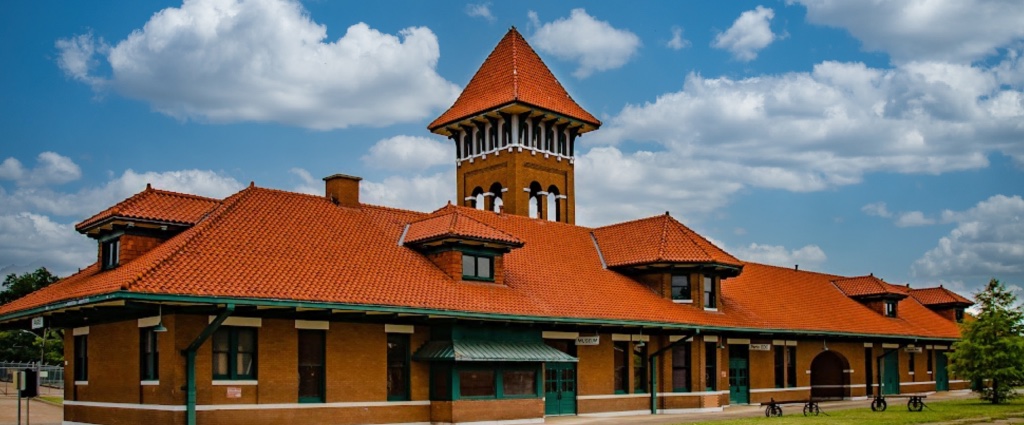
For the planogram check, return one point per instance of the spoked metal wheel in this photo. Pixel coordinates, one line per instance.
(878, 405)
(811, 409)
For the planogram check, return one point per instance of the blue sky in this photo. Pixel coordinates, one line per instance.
(847, 137)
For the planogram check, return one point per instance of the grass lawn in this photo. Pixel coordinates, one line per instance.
(944, 411)
(53, 399)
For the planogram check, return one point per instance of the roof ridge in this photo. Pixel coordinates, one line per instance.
(664, 237)
(833, 277)
(226, 206)
(515, 64)
(179, 194)
(691, 235)
(623, 223)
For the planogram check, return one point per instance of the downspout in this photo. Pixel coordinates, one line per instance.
(654, 369)
(190, 362)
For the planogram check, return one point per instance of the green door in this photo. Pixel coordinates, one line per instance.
(891, 373)
(941, 375)
(560, 389)
(739, 375)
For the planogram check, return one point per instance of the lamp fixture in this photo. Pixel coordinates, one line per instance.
(160, 328)
(641, 344)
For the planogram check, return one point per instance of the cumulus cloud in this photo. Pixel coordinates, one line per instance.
(677, 42)
(482, 10)
(749, 34)
(913, 219)
(960, 30)
(410, 153)
(988, 242)
(266, 61)
(810, 256)
(877, 209)
(29, 241)
(308, 184)
(595, 45)
(51, 168)
(800, 131)
(417, 193)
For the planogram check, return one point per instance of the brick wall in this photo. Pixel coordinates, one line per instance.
(516, 170)
(133, 246)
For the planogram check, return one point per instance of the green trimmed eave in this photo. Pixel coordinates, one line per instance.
(436, 314)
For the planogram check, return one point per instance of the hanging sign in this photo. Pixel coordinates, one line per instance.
(37, 322)
(760, 347)
(588, 340)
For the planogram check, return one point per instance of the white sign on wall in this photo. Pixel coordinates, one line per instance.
(760, 347)
(588, 340)
(37, 322)
(912, 349)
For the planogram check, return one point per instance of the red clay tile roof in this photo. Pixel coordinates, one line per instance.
(513, 72)
(868, 286)
(156, 205)
(450, 222)
(320, 253)
(939, 296)
(658, 239)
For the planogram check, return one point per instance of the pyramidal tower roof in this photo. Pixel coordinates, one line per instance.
(513, 73)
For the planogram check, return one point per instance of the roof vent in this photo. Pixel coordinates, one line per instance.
(343, 189)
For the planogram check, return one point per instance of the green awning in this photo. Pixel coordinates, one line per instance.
(490, 351)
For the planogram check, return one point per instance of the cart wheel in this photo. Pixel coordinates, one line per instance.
(811, 409)
(777, 411)
(878, 405)
(768, 411)
(915, 405)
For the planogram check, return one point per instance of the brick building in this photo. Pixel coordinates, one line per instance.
(268, 306)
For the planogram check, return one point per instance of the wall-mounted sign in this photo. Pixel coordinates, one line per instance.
(588, 340)
(912, 349)
(37, 322)
(234, 392)
(760, 347)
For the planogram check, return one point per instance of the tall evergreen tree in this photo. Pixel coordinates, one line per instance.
(992, 345)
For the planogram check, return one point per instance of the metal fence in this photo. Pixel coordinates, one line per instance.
(49, 376)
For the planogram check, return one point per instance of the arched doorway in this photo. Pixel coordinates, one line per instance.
(829, 379)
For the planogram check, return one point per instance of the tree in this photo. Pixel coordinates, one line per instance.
(21, 345)
(991, 346)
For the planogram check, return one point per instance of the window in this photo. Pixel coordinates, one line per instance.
(711, 366)
(910, 366)
(928, 360)
(959, 315)
(681, 367)
(476, 383)
(234, 353)
(312, 357)
(621, 366)
(477, 267)
(398, 367)
(681, 287)
(111, 251)
(149, 355)
(890, 308)
(869, 370)
(519, 382)
(709, 293)
(640, 368)
(790, 366)
(780, 366)
(82, 357)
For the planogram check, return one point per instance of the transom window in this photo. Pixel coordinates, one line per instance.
(477, 267)
(234, 353)
(111, 251)
(710, 300)
(681, 287)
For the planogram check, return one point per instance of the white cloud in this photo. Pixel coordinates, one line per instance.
(677, 42)
(988, 242)
(417, 193)
(52, 168)
(481, 10)
(950, 30)
(308, 185)
(810, 256)
(28, 241)
(877, 209)
(913, 219)
(267, 61)
(749, 34)
(799, 131)
(410, 153)
(594, 44)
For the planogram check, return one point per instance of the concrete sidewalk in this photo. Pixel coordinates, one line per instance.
(737, 412)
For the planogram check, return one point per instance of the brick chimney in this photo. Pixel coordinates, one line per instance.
(343, 189)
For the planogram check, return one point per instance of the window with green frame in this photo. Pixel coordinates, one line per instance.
(681, 367)
(398, 367)
(496, 381)
(477, 267)
(234, 353)
(710, 299)
(149, 355)
(639, 368)
(621, 363)
(681, 287)
(711, 366)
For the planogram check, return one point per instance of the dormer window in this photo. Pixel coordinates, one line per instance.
(110, 251)
(710, 300)
(681, 288)
(959, 315)
(890, 308)
(477, 267)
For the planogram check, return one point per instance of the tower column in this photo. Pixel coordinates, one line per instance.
(515, 130)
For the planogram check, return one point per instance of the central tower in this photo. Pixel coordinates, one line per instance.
(515, 129)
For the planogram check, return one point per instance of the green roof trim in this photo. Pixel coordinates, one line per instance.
(490, 351)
